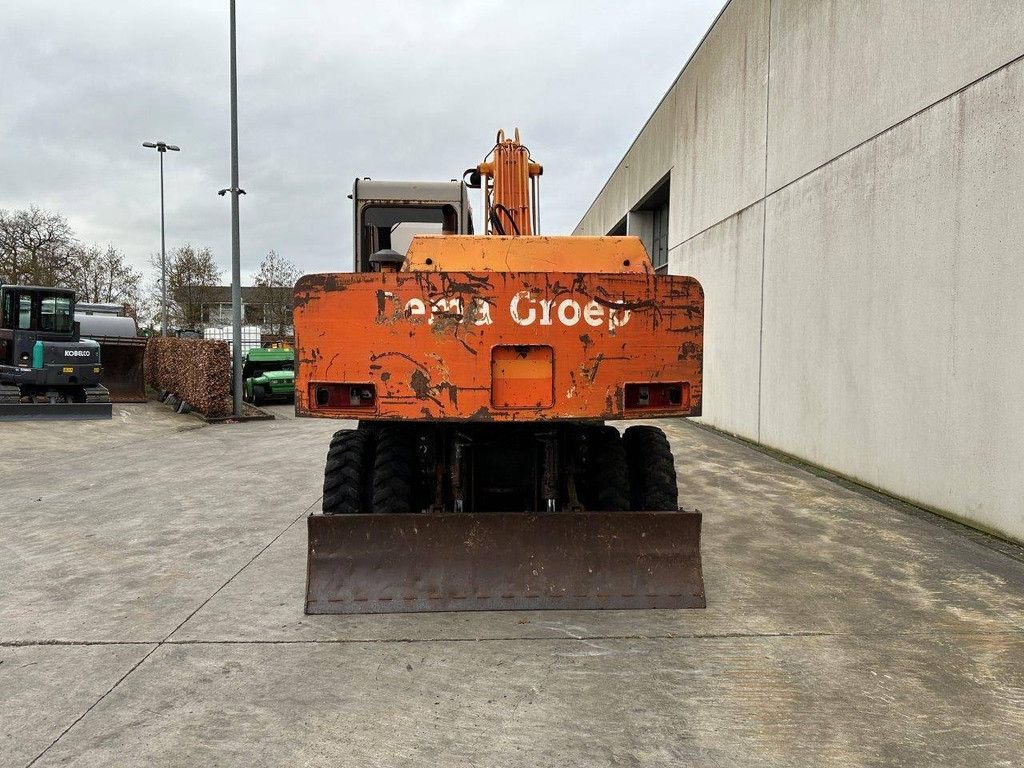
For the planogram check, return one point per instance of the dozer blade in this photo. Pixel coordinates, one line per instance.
(503, 561)
(54, 411)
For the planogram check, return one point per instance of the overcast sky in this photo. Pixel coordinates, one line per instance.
(328, 90)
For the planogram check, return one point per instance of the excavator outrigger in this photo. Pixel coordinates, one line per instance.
(482, 371)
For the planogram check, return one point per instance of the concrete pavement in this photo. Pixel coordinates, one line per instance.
(151, 583)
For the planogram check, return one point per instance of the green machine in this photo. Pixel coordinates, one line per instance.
(269, 375)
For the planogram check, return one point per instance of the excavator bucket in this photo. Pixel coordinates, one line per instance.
(123, 358)
(394, 563)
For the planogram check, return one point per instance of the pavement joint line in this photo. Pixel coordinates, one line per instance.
(61, 643)
(304, 513)
(89, 709)
(1009, 630)
(583, 638)
(161, 643)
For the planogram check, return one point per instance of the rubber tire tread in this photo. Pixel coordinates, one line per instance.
(652, 470)
(607, 478)
(346, 480)
(394, 471)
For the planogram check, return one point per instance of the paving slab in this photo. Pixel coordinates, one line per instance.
(781, 701)
(840, 629)
(25, 442)
(784, 552)
(45, 689)
(121, 540)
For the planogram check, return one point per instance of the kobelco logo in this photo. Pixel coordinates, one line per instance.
(524, 309)
(77, 353)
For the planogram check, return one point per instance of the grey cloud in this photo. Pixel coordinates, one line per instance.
(328, 91)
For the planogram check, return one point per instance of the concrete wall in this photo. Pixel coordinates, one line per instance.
(846, 182)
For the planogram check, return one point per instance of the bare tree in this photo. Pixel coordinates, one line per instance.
(103, 276)
(191, 276)
(273, 285)
(37, 247)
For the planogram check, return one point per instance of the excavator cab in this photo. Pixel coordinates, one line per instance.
(485, 373)
(388, 214)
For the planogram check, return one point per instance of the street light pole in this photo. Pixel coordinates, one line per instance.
(236, 259)
(161, 147)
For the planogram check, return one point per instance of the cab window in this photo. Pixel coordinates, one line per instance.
(392, 226)
(24, 313)
(55, 314)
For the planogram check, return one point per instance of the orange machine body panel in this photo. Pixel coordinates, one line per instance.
(510, 339)
(498, 253)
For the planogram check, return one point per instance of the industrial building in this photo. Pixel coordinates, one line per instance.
(844, 178)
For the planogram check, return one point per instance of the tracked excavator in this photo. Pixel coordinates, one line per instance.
(481, 376)
(47, 370)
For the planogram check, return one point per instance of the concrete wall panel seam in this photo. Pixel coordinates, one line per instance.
(661, 101)
(711, 226)
(764, 215)
(900, 122)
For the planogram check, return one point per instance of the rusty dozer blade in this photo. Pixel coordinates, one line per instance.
(503, 561)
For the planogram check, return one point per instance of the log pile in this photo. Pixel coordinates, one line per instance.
(197, 371)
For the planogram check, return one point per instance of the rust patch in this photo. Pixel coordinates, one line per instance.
(402, 355)
(688, 351)
(474, 283)
(444, 321)
(479, 311)
(481, 414)
(420, 384)
(591, 373)
(452, 390)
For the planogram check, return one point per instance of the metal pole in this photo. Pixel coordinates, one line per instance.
(163, 252)
(236, 260)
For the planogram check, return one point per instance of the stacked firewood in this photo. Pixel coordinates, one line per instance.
(195, 371)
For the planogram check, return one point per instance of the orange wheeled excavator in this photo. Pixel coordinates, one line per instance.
(481, 373)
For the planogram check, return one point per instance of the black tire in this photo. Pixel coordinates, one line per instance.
(395, 471)
(605, 486)
(652, 470)
(258, 397)
(347, 474)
